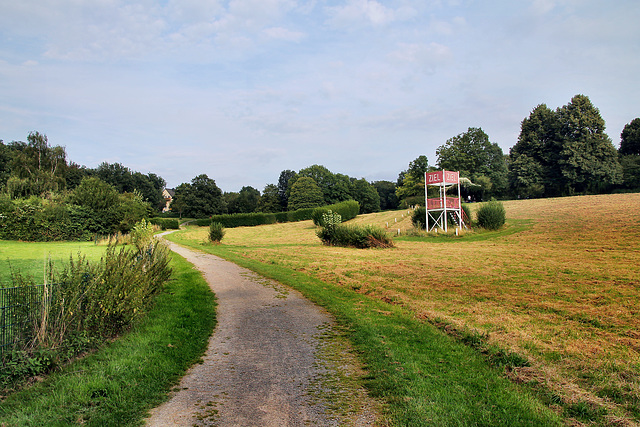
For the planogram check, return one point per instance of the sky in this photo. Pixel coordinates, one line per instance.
(241, 90)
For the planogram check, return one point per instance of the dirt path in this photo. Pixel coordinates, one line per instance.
(273, 360)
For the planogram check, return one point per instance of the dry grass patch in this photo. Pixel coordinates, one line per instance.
(564, 293)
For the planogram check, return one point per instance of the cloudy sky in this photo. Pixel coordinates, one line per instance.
(243, 89)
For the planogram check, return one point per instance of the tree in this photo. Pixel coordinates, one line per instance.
(534, 169)
(36, 167)
(270, 200)
(411, 182)
(365, 194)
(630, 154)
(127, 181)
(305, 193)
(284, 186)
(246, 201)
(335, 187)
(474, 155)
(200, 199)
(387, 192)
(630, 138)
(587, 158)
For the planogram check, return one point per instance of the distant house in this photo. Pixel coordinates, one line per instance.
(168, 194)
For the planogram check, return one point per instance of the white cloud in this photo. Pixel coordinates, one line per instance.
(367, 12)
(279, 33)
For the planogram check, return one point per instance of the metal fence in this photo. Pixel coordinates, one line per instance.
(19, 307)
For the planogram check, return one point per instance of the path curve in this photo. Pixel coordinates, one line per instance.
(262, 366)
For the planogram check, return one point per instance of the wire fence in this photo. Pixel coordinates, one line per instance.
(19, 307)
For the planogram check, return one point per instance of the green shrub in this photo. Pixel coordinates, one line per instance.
(418, 217)
(216, 232)
(348, 209)
(491, 215)
(142, 234)
(356, 236)
(300, 215)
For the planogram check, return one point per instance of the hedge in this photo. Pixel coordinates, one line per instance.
(253, 219)
(348, 209)
(165, 223)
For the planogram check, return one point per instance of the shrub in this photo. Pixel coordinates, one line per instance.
(418, 217)
(361, 237)
(491, 215)
(142, 234)
(216, 232)
(348, 209)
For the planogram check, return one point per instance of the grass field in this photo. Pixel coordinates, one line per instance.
(31, 258)
(558, 286)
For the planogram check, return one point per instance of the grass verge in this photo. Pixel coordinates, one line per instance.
(118, 384)
(426, 377)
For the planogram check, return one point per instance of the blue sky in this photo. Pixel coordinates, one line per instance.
(243, 89)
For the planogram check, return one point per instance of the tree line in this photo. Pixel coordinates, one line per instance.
(43, 196)
(558, 152)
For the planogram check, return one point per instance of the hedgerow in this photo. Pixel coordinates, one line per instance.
(253, 219)
(348, 209)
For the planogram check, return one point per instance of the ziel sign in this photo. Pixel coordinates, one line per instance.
(442, 177)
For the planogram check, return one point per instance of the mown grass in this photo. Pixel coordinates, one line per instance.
(119, 383)
(558, 287)
(31, 258)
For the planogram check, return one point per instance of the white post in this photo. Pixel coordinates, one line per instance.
(459, 203)
(444, 199)
(426, 204)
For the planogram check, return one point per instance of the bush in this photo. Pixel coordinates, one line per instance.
(348, 209)
(418, 217)
(216, 232)
(491, 215)
(361, 237)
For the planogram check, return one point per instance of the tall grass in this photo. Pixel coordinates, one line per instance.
(83, 303)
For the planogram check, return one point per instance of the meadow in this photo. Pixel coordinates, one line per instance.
(557, 289)
(32, 258)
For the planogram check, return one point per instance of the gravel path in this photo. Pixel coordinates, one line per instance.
(273, 360)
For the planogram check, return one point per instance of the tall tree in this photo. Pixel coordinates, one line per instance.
(270, 200)
(305, 193)
(36, 167)
(474, 156)
(587, 158)
(630, 154)
(284, 186)
(365, 194)
(200, 199)
(387, 192)
(630, 138)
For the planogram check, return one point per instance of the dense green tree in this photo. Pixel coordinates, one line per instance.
(365, 194)
(418, 167)
(411, 182)
(127, 181)
(270, 199)
(284, 186)
(474, 155)
(335, 187)
(200, 199)
(630, 171)
(246, 201)
(534, 168)
(305, 193)
(563, 152)
(108, 210)
(387, 192)
(5, 165)
(630, 138)
(587, 158)
(36, 167)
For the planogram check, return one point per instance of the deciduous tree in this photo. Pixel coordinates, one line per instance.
(305, 193)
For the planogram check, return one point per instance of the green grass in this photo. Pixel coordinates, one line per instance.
(424, 376)
(30, 258)
(119, 383)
